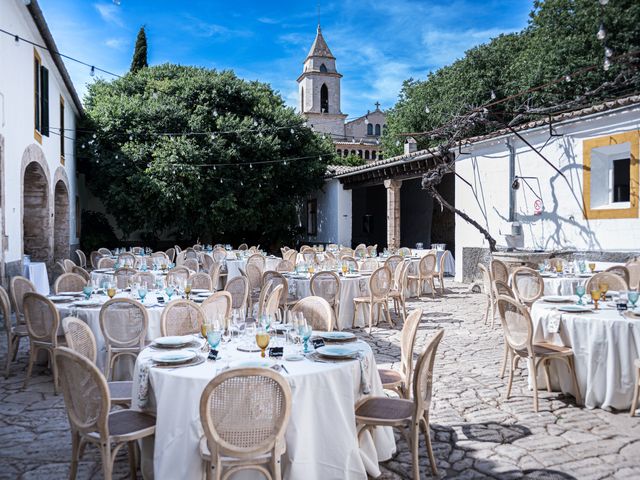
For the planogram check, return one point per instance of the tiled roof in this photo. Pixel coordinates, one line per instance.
(594, 109)
(320, 47)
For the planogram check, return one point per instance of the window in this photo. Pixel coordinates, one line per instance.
(301, 99)
(41, 98)
(610, 176)
(323, 68)
(339, 152)
(373, 155)
(62, 131)
(378, 129)
(312, 217)
(366, 154)
(369, 129)
(324, 99)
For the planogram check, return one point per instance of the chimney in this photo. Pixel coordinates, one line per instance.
(410, 145)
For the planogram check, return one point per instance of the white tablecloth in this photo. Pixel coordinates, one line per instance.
(605, 345)
(234, 266)
(37, 273)
(100, 277)
(563, 285)
(449, 264)
(92, 317)
(349, 289)
(321, 435)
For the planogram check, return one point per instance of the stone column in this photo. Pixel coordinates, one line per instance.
(393, 212)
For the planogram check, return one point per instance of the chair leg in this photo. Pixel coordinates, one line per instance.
(107, 365)
(636, 390)
(131, 446)
(534, 380)
(10, 340)
(33, 352)
(493, 312)
(441, 277)
(433, 287)
(427, 438)
(514, 364)
(276, 467)
(75, 454)
(385, 307)
(547, 375)
(370, 317)
(54, 370)
(505, 358)
(415, 441)
(486, 313)
(355, 315)
(16, 348)
(107, 461)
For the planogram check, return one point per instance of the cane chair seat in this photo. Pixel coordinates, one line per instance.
(390, 378)
(386, 410)
(544, 349)
(127, 425)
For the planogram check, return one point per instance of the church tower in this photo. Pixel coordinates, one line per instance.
(319, 89)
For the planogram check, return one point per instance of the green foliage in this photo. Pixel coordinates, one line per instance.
(96, 231)
(350, 160)
(560, 39)
(164, 185)
(139, 59)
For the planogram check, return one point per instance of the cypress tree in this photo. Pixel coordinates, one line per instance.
(140, 52)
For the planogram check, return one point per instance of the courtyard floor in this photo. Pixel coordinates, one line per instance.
(477, 432)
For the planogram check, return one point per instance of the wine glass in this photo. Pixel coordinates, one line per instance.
(170, 290)
(559, 266)
(214, 336)
(595, 296)
(262, 340)
(632, 296)
(305, 332)
(604, 288)
(592, 267)
(87, 290)
(142, 292)
(111, 291)
(187, 289)
(580, 291)
(344, 268)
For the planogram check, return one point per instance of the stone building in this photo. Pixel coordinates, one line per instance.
(319, 93)
(39, 108)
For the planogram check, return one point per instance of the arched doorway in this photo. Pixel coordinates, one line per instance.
(60, 221)
(35, 214)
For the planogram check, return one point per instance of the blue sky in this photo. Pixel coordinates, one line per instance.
(377, 43)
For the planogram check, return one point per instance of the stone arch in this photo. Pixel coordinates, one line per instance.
(366, 154)
(36, 213)
(324, 98)
(378, 129)
(323, 68)
(369, 128)
(61, 215)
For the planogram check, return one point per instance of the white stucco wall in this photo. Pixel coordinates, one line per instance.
(334, 214)
(17, 122)
(562, 223)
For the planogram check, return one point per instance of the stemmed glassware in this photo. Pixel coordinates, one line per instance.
(632, 296)
(595, 296)
(187, 289)
(142, 291)
(262, 340)
(111, 291)
(580, 291)
(592, 267)
(604, 288)
(170, 290)
(214, 335)
(88, 291)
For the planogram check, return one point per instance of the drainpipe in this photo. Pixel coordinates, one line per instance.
(512, 176)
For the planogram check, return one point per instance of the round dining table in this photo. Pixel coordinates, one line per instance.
(563, 284)
(235, 264)
(107, 275)
(320, 437)
(605, 343)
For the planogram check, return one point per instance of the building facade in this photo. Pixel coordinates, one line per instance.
(319, 95)
(39, 109)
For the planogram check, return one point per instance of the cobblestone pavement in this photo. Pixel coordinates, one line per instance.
(476, 432)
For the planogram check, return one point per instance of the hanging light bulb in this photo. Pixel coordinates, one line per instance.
(130, 138)
(567, 78)
(602, 33)
(255, 123)
(285, 162)
(493, 95)
(292, 132)
(320, 158)
(220, 180)
(366, 121)
(426, 109)
(213, 136)
(397, 143)
(214, 167)
(604, 2)
(251, 165)
(93, 71)
(215, 113)
(608, 52)
(607, 64)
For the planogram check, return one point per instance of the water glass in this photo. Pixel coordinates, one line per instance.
(169, 291)
(580, 291)
(87, 290)
(632, 296)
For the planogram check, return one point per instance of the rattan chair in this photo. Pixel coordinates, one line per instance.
(499, 270)
(192, 264)
(404, 252)
(42, 320)
(518, 334)
(87, 399)
(127, 259)
(82, 272)
(69, 282)
(82, 259)
(403, 413)
(253, 273)
(14, 333)
(201, 280)
(398, 293)
(81, 340)
(207, 263)
(489, 292)
(360, 251)
(257, 260)
(327, 285)
(181, 317)
(219, 254)
(214, 274)
(238, 287)
(316, 311)
(95, 257)
(124, 276)
(622, 271)
(104, 251)
(527, 285)
(392, 262)
(142, 278)
(271, 305)
(124, 323)
(216, 306)
(501, 288)
(160, 257)
(399, 381)
(441, 269)
(171, 254)
(178, 275)
(177, 249)
(352, 263)
(244, 414)
(633, 267)
(285, 266)
(68, 265)
(243, 246)
(426, 273)
(613, 280)
(286, 300)
(636, 388)
(372, 250)
(380, 285)
(106, 262)
(369, 265)
(20, 286)
(291, 256)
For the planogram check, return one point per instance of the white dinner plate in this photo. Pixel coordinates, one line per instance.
(575, 308)
(70, 294)
(173, 341)
(180, 356)
(101, 270)
(294, 357)
(205, 294)
(199, 290)
(59, 298)
(635, 312)
(337, 335)
(351, 275)
(337, 351)
(87, 303)
(254, 364)
(557, 298)
(547, 275)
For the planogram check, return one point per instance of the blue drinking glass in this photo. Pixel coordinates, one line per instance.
(87, 290)
(632, 295)
(580, 291)
(214, 337)
(305, 332)
(142, 292)
(169, 291)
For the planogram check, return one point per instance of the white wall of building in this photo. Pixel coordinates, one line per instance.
(17, 123)
(561, 224)
(334, 214)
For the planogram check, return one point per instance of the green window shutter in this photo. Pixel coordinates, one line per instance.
(44, 97)
(36, 93)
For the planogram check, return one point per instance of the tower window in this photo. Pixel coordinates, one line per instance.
(323, 68)
(302, 99)
(369, 129)
(378, 129)
(324, 99)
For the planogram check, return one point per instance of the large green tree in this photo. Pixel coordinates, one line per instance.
(560, 39)
(139, 59)
(151, 139)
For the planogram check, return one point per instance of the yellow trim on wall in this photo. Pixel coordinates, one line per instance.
(62, 130)
(633, 138)
(36, 134)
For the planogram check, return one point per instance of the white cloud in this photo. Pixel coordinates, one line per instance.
(110, 13)
(116, 43)
(443, 47)
(268, 20)
(199, 28)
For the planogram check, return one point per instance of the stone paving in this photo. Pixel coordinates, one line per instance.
(476, 432)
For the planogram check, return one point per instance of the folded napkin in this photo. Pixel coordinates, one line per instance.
(365, 386)
(554, 320)
(143, 383)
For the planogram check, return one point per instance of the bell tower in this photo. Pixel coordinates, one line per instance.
(319, 89)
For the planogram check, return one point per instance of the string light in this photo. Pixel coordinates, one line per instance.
(93, 71)
(493, 95)
(426, 109)
(602, 33)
